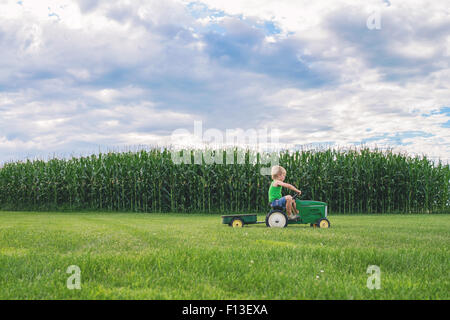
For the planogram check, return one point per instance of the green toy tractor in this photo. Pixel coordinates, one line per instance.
(312, 212)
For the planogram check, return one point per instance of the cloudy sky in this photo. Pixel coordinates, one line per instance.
(80, 76)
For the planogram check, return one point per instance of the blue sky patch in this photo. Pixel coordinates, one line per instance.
(395, 138)
(201, 10)
(442, 110)
(268, 27)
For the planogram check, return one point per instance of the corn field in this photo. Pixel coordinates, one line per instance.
(355, 181)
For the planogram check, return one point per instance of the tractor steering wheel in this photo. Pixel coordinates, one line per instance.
(295, 196)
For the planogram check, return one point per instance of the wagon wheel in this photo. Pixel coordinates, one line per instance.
(237, 223)
(323, 223)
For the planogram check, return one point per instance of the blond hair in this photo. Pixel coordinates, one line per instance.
(277, 171)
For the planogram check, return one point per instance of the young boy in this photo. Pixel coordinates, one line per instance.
(275, 197)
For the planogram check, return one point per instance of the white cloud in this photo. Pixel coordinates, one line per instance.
(84, 73)
(108, 95)
(414, 50)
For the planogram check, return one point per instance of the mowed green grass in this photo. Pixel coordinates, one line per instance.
(174, 256)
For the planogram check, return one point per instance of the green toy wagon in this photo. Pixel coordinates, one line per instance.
(239, 220)
(312, 212)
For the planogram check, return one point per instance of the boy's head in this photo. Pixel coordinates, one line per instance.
(278, 173)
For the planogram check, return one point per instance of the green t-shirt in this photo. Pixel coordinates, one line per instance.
(274, 192)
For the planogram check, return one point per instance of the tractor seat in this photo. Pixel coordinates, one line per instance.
(277, 207)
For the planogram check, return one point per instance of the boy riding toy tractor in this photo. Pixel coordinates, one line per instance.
(283, 208)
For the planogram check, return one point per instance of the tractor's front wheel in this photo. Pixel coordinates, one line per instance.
(323, 223)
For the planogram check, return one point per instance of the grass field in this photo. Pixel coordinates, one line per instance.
(174, 256)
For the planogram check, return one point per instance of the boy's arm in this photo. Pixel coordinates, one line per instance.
(289, 186)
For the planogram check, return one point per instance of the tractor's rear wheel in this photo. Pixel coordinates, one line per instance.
(276, 219)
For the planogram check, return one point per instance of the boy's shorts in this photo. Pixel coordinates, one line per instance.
(279, 202)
